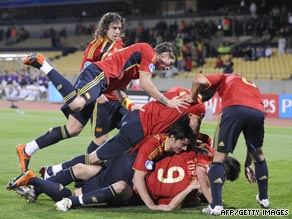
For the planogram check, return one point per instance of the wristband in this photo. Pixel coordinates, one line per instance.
(127, 103)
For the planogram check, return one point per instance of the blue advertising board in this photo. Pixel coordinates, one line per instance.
(285, 106)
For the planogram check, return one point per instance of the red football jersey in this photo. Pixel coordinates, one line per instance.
(157, 117)
(151, 148)
(235, 90)
(125, 64)
(171, 175)
(97, 50)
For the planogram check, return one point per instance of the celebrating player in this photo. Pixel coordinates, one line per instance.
(113, 73)
(108, 110)
(242, 111)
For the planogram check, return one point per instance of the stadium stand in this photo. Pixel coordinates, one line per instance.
(63, 38)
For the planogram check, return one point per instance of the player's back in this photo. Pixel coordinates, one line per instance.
(172, 174)
(157, 117)
(236, 90)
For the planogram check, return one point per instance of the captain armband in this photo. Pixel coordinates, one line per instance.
(127, 103)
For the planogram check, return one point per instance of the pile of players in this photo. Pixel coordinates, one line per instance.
(158, 157)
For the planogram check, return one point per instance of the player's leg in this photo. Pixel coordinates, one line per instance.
(75, 96)
(130, 134)
(114, 181)
(254, 136)
(54, 190)
(105, 118)
(119, 190)
(76, 122)
(47, 172)
(64, 86)
(226, 135)
(77, 172)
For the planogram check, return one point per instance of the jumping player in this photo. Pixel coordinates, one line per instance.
(113, 73)
(105, 113)
(242, 111)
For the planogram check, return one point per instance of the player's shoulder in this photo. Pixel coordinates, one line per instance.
(97, 42)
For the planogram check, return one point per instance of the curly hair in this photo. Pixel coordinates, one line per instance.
(105, 21)
(166, 47)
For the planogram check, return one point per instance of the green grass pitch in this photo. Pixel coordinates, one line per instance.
(18, 127)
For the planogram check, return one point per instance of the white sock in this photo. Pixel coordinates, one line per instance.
(80, 199)
(46, 67)
(57, 168)
(31, 148)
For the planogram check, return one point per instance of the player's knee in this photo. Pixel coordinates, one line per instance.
(258, 155)
(120, 186)
(77, 104)
(93, 158)
(78, 169)
(74, 130)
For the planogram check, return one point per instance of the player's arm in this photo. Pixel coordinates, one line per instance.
(126, 101)
(197, 85)
(204, 182)
(248, 170)
(140, 186)
(149, 87)
(177, 201)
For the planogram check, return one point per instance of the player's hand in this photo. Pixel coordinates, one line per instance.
(250, 175)
(102, 99)
(177, 102)
(194, 184)
(189, 99)
(137, 107)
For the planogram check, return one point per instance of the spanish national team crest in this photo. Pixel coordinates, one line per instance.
(152, 67)
(149, 164)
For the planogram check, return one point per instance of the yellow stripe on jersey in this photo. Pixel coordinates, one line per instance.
(108, 49)
(70, 95)
(92, 49)
(91, 84)
(94, 117)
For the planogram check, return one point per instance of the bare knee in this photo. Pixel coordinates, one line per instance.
(93, 159)
(258, 155)
(123, 190)
(120, 186)
(78, 170)
(73, 126)
(77, 104)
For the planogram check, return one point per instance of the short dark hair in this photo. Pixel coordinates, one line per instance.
(105, 21)
(181, 131)
(166, 47)
(232, 168)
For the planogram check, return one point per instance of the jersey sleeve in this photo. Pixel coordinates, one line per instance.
(147, 60)
(214, 81)
(145, 152)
